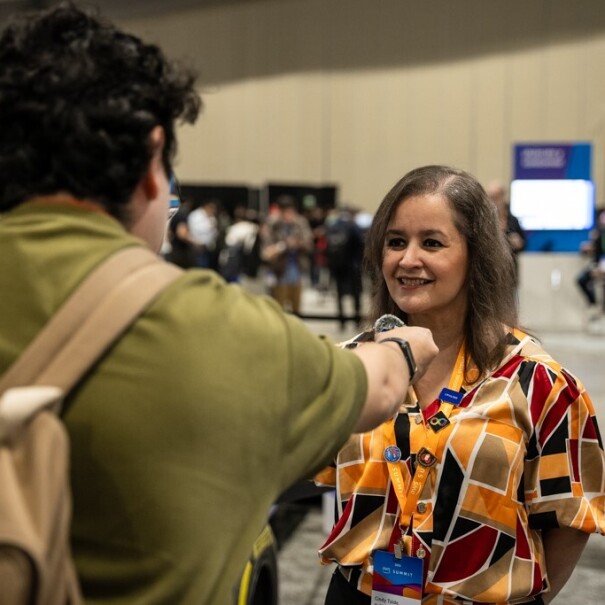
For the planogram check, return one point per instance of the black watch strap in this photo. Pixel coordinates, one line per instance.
(404, 345)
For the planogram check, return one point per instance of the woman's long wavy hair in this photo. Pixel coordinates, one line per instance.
(492, 298)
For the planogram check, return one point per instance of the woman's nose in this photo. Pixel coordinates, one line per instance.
(410, 256)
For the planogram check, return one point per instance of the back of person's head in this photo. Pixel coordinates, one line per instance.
(210, 205)
(286, 202)
(496, 192)
(240, 212)
(490, 280)
(78, 100)
(346, 213)
(288, 209)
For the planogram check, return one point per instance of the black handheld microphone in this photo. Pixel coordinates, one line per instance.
(387, 322)
(383, 324)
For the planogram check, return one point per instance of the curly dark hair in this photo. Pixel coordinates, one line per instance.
(492, 298)
(78, 100)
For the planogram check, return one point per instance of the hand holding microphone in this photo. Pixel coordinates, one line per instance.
(387, 384)
(416, 344)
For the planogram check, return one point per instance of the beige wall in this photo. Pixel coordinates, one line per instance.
(357, 92)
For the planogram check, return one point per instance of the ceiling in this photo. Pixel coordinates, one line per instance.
(111, 8)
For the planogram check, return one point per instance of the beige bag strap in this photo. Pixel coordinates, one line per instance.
(107, 302)
(92, 318)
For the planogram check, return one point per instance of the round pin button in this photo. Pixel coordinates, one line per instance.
(392, 454)
(421, 553)
(421, 508)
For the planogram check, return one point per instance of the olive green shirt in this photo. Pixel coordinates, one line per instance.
(184, 434)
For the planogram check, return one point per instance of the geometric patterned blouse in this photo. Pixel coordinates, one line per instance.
(521, 453)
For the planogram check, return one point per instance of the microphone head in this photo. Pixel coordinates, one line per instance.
(387, 322)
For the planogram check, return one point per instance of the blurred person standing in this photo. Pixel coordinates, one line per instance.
(287, 243)
(486, 484)
(344, 254)
(186, 431)
(239, 253)
(510, 225)
(594, 275)
(316, 216)
(179, 239)
(203, 233)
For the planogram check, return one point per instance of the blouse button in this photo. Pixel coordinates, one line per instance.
(421, 553)
(421, 508)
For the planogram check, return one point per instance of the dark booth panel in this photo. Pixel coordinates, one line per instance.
(229, 196)
(305, 195)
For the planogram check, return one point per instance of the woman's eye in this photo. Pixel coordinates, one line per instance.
(432, 243)
(395, 242)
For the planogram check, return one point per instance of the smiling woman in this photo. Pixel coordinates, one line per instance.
(425, 262)
(455, 205)
(477, 502)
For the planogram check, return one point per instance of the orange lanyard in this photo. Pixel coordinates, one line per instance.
(426, 457)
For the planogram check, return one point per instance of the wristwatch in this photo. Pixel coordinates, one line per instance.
(404, 345)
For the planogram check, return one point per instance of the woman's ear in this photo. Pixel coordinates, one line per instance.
(155, 168)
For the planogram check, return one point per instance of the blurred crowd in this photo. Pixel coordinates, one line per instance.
(285, 248)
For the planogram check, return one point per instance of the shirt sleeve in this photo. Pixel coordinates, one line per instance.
(327, 389)
(565, 464)
(327, 476)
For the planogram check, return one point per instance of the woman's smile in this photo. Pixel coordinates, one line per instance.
(413, 282)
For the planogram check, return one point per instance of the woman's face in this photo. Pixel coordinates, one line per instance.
(425, 260)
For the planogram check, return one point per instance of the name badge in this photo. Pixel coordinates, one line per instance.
(449, 396)
(396, 581)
